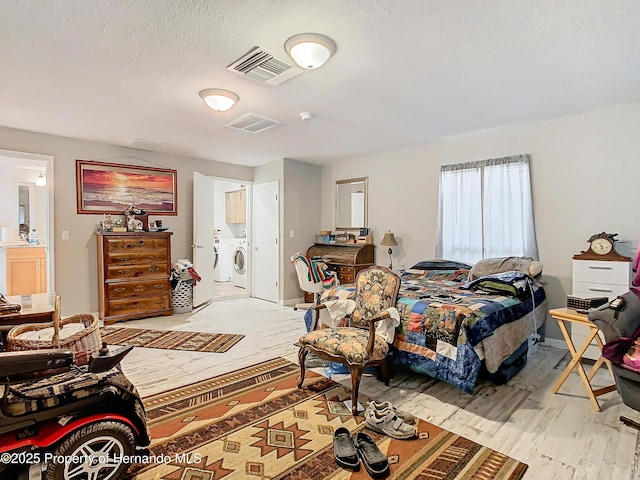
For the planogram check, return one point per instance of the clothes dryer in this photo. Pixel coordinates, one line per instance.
(239, 274)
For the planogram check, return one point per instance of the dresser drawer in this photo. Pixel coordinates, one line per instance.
(121, 272)
(133, 289)
(132, 306)
(137, 258)
(135, 243)
(346, 278)
(599, 289)
(603, 272)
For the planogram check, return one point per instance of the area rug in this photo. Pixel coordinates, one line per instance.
(255, 423)
(169, 339)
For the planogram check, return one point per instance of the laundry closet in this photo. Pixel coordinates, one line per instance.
(230, 233)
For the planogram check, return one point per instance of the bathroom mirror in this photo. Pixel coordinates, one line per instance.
(24, 208)
(351, 203)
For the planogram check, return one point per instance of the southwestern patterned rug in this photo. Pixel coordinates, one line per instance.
(169, 339)
(255, 423)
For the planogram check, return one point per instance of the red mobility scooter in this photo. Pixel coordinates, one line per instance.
(59, 421)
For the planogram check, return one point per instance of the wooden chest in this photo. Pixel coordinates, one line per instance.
(133, 275)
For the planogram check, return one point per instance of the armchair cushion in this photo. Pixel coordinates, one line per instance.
(347, 342)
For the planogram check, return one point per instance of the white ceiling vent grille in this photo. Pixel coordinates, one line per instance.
(260, 65)
(252, 123)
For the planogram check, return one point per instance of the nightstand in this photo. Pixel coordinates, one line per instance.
(598, 278)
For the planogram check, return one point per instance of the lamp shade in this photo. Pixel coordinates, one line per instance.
(389, 240)
(41, 181)
(310, 50)
(218, 99)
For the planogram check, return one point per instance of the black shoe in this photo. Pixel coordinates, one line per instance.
(374, 460)
(344, 450)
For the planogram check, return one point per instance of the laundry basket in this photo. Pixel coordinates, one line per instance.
(183, 294)
(83, 339)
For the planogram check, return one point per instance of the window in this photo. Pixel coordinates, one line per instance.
(486, 210)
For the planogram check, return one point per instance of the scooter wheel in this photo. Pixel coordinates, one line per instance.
(94, 451)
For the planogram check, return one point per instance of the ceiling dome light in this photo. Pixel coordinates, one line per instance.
(218, 99)
(310, 50)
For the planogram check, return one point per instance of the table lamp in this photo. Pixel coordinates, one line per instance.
(389, 240)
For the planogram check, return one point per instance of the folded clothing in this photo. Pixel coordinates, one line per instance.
(510, 284)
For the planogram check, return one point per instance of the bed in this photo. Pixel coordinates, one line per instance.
(450, 327)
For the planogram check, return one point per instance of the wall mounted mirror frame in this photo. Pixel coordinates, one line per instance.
(351, 203)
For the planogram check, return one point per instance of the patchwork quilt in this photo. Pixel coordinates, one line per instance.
(446, 325)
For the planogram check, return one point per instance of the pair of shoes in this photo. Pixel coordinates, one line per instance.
(349, 450)
(388, 423)
(382, 406)
(344, 450)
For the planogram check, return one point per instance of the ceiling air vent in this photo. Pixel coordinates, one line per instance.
(252, 123)
(264, 67)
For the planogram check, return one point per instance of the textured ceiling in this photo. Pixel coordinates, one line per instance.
(406, 72)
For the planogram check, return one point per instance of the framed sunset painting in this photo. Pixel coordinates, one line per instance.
(112, 188)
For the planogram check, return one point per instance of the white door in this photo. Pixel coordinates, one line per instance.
(203, 246)
(266, 258)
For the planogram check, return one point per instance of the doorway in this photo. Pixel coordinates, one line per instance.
(221, 235)
(26, 204)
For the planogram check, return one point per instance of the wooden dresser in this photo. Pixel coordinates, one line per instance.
(344, 259)
(133, 275)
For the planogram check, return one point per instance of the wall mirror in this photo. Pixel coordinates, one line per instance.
(351, 203)
(24, 208)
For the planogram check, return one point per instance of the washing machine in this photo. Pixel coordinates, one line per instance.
(239, 274)
(223, 270)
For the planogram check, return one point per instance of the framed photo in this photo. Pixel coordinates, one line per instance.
(112, 187)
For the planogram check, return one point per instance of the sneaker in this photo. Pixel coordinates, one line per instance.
(381, 406)
(387, 423)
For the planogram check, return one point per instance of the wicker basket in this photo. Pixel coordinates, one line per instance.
(83, 343)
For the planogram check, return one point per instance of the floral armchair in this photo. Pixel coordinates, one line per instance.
(357, 346)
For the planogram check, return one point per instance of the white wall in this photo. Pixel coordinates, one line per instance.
(75, 259)
(584, 169)
(302, 209)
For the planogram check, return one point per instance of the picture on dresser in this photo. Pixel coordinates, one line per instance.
(111, 188)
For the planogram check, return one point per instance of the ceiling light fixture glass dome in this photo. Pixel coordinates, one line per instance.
(218, 99)
(310, 50)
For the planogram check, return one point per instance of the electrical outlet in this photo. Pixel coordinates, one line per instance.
(65, 234)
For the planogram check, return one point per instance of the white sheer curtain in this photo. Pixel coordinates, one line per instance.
(486, 210)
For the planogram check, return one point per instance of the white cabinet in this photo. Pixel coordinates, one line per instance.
(597, 278)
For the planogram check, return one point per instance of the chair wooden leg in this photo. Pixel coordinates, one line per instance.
(630, 423)
(356, 374)
(302, 355)
(384, 372)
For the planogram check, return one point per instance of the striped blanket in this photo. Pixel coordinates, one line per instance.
(318, 271)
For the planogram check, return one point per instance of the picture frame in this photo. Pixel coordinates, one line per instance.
(110, 188)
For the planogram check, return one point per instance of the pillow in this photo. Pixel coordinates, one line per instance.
(489, 266)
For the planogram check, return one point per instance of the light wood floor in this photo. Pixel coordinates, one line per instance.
(558, 436)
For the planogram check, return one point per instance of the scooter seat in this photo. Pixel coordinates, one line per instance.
(64, 388)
